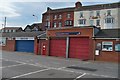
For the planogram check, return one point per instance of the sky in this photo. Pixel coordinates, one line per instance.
(20, 13)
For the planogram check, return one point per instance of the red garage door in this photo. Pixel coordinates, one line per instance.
(79, 48)
(58, 47)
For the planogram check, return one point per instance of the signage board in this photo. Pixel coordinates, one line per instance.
(24, 38)
(67, 33)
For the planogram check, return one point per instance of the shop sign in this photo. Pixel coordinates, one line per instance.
(67, 33)
(24, 38)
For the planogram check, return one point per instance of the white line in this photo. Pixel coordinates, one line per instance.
(30, 73)
(80, 76)
(62, 69)
(12, 66)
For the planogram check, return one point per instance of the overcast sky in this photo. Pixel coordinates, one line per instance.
(20, 13)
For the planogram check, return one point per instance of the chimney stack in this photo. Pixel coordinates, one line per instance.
(78, 4)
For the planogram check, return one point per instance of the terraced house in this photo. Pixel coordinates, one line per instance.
(102, 15)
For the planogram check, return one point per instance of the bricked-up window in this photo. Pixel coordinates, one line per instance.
(117, 47)
(109, 20)
(68, 23)
(54, 24)
(97, 22)
(91, 13)
(107, 46)
(68, 15)
(3, 41)
(82, 21)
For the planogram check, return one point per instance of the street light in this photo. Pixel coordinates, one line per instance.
(35, 16)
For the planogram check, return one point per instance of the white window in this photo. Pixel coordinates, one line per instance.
(107, 46)
(60, 24)
(3, 41)
(54, 25)
(13, 30)
(47, 18)
(97, 13)
(108, 12)
(9, 30)
(55, 16)
(6, 30)
(91, 13)
(81, 14)
(117, 47)
(60, 16)
(97, 22)
(91, 22)
(68, 15)
(82, 21)
(109, 20)
(68, 22)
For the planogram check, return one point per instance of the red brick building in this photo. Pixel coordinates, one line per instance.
(107, 45)
(57, 18)
(75, 42)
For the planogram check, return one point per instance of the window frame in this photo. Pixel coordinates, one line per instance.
(103, 43)
(82, 21)
(68, 15)
(117, 47)
(97, 13)
(54, 24)
(97, 21)
(60, 24)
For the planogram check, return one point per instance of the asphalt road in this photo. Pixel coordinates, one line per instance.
(18, 65)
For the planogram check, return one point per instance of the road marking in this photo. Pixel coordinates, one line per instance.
(30, 73)
(80, 76)
(62, 69)
(12, 65)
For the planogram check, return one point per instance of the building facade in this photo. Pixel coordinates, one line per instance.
(57, 18)
(11, 29)
(103, 15)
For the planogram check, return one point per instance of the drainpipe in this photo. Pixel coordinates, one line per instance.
(67, 47)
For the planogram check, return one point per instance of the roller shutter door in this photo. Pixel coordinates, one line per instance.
(79, 48)
(25, 45)
(58, 47)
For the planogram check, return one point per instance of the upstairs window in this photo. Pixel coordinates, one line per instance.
(109, 20)
(68, 15)
(91, 22)
(55, 16)
(97, 13)
(54, 24)
(108, 12)
(47, 18)
(60, 24)
(97, 22)
(82, 21)
(68, 23)
(91, 13)
(60, 16)
(81, 14)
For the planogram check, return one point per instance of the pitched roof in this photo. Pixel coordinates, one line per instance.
(89, 7)
(15, 28)
(22, 34)
(108, 33)
(99, 6)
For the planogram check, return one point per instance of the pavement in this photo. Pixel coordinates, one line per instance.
(28, 66)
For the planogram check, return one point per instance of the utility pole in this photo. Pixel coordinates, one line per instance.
(5, 23)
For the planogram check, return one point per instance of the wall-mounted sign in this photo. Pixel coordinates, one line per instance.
(24, 38)
(67, 33)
